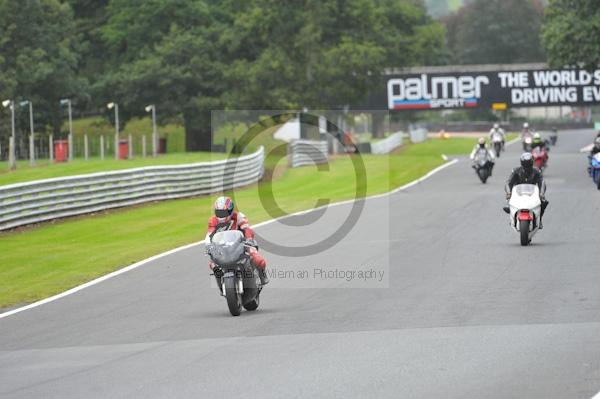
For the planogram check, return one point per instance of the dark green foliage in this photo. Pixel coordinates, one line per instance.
(190, 57)
(495, 32)
(571, 33)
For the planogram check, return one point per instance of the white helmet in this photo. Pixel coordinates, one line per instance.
(525, 125)
(481, 141)
(496, 126)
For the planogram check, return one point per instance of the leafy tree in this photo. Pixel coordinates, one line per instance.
(496, 31)
(38, 57)
(326, 53)
(571, 33)
(191, 57)
(165, 53)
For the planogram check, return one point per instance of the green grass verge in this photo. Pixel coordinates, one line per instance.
(38, 262)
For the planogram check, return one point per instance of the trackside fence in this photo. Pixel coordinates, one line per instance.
(306, 152)
(42, 200)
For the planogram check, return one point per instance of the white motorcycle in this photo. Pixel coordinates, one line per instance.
(497, 140)
(525, 208)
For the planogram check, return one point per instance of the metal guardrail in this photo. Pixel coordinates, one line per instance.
(306, 152)
(42, 200)
(417, 135)
(387, 145)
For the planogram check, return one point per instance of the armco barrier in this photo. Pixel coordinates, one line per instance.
(33, 202)
(387, 145)
(417, 135)
(306, 152)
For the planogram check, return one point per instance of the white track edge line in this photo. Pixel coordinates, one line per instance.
(199, 243)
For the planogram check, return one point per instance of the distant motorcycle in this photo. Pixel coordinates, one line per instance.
(527, 142)
(497, 143)
(525, 208)
(483, 166)
(238, 280)
(553, 137)
(540, 158)
(594, 169)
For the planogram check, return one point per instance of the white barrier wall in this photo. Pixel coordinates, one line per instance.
(417, 135)
(306, 152)
(42, 200)
(387, 145)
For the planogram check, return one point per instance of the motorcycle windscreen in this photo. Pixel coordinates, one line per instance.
(525, 190)
(228, 247)
(481, 158)
(596, 160)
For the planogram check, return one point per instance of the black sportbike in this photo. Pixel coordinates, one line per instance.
(237, 278)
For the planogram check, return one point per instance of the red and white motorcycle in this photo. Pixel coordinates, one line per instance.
(540, 158)
(525, 209)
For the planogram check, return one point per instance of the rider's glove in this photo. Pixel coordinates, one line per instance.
(251, 243)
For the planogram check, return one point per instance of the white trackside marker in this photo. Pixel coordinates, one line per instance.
(200, 243)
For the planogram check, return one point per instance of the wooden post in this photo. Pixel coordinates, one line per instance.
(144, 146)
(85, 147)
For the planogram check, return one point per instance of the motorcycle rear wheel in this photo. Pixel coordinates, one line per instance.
(524, 230)
(234, 300)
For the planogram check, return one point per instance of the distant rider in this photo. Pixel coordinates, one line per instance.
(538, 142)
(526, 174)
(526, 133)
(497, 130)
(480, 149)
(595, 150)
(596, 147)
(226, 218)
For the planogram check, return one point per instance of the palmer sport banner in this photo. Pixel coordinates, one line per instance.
(497, 90)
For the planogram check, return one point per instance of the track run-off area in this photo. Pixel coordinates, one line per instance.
(461, 311)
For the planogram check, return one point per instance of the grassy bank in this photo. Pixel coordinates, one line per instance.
(38, 262)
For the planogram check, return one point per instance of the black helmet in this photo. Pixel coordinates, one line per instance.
(527, 161)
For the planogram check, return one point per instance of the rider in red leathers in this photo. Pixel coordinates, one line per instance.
(226, 218)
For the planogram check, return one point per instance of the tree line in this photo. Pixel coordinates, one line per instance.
(191, 56)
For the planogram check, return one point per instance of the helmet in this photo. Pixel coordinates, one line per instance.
(527, 161)
(223, 209)
(597, 142)
(537, 138)
(481, 142)
(525, 125)
(496, 126)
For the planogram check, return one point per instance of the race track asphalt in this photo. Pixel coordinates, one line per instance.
(462, 310)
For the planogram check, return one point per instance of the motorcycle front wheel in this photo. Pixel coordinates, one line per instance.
(234, 300)
(253, 304)
(483, 174)
(524, 230)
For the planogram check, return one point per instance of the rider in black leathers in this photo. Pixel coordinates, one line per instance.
(526, 174)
